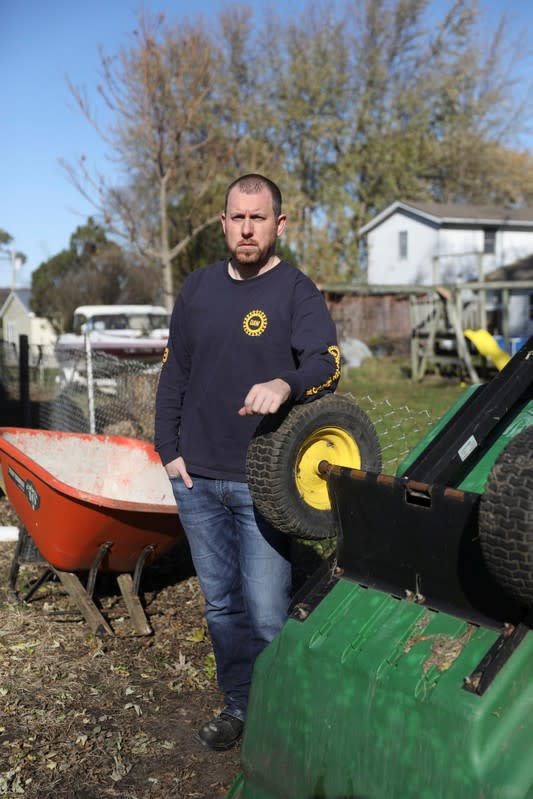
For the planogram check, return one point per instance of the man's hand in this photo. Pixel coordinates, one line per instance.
(266, 397)
(177, 468)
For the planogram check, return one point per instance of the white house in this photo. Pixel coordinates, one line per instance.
(16, 319)
(430, 243)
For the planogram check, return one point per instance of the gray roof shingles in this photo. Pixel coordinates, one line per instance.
(474, 212)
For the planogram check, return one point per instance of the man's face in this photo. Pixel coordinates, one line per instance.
(250, 227)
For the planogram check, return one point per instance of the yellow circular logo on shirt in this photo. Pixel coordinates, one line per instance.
(255, 323)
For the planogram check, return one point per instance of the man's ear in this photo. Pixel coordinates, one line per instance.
(282, 220)
(223, 221)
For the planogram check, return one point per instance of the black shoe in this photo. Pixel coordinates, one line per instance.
(220, 734)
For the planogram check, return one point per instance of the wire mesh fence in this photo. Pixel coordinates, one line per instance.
(80, 392)
(93, 392)
(399, 428)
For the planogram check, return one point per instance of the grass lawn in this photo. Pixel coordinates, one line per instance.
(402, 410)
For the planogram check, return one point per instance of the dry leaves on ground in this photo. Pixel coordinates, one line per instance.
(86, 717)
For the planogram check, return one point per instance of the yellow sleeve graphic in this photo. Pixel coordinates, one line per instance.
(336, 353)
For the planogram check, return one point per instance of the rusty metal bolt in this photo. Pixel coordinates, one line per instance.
(472, 683)
(302, 611)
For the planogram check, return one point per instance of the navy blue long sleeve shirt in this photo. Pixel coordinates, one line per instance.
(225, 336)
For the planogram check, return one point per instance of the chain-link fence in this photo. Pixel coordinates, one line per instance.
(78, 391)
(92, 392)
(399, 428)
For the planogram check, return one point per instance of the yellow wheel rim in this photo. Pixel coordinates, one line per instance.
(332, 444)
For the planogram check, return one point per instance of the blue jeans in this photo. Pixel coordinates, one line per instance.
(243, 567)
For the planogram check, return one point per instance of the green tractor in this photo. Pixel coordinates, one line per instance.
(406, 666)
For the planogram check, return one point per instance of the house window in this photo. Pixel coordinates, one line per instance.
(489, 241)
(402, 244)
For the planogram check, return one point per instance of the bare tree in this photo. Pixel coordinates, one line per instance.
(159, 93)
(349, 107)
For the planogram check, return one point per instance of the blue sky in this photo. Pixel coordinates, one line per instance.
(43, 42)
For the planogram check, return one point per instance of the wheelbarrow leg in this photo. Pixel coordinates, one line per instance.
(133, 604)
(73, 586)
(129, 588)
(12, 593)
(26, 553)
(46, 575)
(100, 555)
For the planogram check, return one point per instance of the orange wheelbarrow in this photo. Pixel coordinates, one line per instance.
(88, 504)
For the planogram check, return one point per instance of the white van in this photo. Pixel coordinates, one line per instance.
(125, 331)
(128, 320)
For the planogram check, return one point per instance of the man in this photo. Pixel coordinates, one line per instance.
(248, 336)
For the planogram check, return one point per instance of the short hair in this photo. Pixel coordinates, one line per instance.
(253, 183)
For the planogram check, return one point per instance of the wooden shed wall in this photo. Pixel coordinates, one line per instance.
(373, 318)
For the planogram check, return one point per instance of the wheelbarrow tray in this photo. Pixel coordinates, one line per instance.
(76, 492)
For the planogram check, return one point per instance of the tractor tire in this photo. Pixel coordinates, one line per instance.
(506, 519)
(282, 463)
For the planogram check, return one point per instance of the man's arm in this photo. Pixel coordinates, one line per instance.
(314, 343)
(171, 389)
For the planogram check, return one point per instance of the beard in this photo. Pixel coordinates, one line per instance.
(251, 255)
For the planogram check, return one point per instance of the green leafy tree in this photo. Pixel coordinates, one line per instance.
(310, 84)
(93, 270)
(376, 100)
(5, 238)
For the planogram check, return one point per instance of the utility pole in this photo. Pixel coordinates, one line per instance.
(16, 262)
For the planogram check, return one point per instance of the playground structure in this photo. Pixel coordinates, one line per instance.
(427, 321)
(441, 315)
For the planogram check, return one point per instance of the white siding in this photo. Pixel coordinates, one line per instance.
(514, 244)
(11, 332)
(445, 255)
(18, 321)
(42, 332)
(384, 264)
(519, 322)
(459, 255)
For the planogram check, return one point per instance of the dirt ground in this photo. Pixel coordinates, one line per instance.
(89, 718)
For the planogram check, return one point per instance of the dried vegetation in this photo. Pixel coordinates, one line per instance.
(83, 717)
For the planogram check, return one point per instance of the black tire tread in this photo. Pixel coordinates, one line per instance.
(506, 519)
(270, 477)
